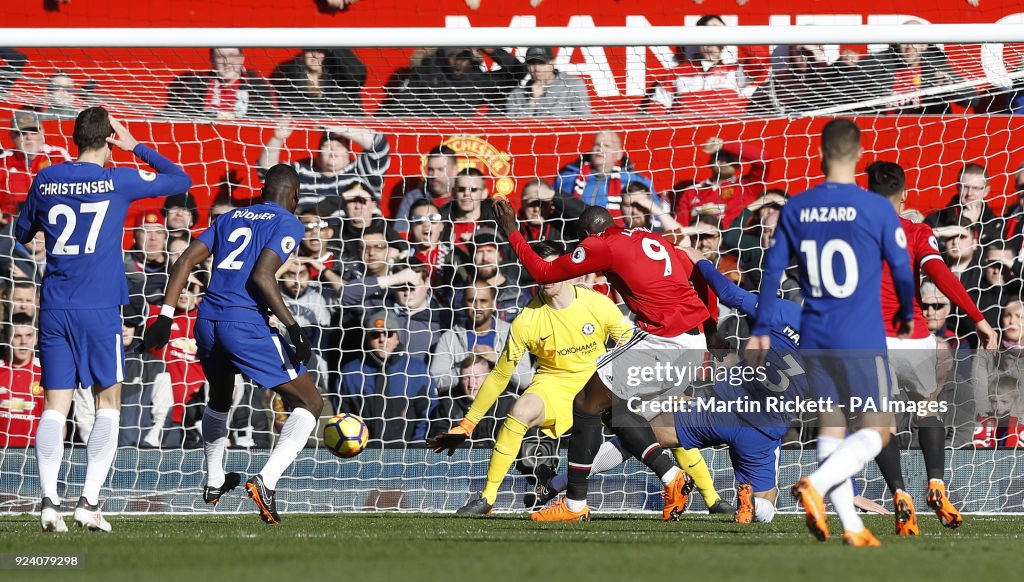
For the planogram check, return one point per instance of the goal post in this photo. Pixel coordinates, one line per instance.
(934, 109)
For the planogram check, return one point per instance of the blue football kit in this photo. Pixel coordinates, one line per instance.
(840, 234)
(754, 431)
(81, 208)
(233, 332)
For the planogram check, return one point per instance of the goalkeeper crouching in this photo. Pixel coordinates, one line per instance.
(566, 328)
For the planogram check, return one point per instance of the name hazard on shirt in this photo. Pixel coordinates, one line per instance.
(828, 214)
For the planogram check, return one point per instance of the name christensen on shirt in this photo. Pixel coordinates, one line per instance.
(76, 188)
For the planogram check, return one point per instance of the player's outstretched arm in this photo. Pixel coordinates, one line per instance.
(264, 276)
(586, 259)
(495, 383)
(951, 287)
(728, 292)
(159, 332)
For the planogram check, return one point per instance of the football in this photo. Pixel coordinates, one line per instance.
(345, 435)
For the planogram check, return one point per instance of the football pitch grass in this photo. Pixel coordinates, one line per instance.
(415, 547)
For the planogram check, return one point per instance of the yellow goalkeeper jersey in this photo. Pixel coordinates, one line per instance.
(566, 343)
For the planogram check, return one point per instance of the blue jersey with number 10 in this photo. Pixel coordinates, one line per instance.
(81, 209)
(840, 234)
(237, 240)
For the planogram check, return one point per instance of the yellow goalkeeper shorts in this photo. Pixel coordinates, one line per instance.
(557, 394)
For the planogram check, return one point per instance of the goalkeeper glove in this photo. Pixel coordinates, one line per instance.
(303, 349)
(449, 441)
(159, 332)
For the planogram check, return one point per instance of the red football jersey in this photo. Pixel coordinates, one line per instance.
(180, 358)
(651, 275)
(21, 404)
(923, 247)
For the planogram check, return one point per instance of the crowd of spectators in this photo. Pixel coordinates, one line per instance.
(407, 313)
(470, 81)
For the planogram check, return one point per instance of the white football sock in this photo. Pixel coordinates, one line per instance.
(50, 451)
(848, 459)
(576, 505)
(826, 446)
(670, 475)
(764, 510)
(215, 441)
(841, 497)
(100, 450)
(609, 456)
(294, 434)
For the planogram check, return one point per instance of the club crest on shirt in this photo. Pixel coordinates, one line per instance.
(288, 244)
(579, 255)
(588, 328)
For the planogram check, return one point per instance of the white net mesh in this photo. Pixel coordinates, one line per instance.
(711, 131)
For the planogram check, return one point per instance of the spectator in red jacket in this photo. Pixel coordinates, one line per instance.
(184, 403)
(227, 91)
(30, 154)
(727, 192)
(707, 78)
(21, 397)
(1000, 427)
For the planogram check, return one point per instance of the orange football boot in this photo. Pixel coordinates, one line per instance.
(676, 494)
(940, 504)
(745, 504)
(906, 517)
(861, 539)
(814, 506)
(560, 512)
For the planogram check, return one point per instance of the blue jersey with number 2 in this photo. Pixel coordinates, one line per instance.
(840, 234)
(237, 240)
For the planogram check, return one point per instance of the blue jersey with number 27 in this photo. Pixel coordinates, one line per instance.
(236, 240)
(81, 209)
(840, 234)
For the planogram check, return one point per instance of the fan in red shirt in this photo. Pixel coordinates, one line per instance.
(21, 397)
(657, 282)
(179, 356)
(914, 360)
(30, 155)
(727, 192)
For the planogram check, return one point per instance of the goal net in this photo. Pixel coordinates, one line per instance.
(691, 130)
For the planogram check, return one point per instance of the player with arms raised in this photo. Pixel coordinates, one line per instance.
(840, 234)
(81, 207)
(914, 359)
(233, 332)
(654, 280)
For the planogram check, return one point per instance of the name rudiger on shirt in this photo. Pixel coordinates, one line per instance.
(76, 188)
(250, 215)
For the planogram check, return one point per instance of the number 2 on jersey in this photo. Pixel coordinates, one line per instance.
(61, 247)
(230, 262)
(820, 272)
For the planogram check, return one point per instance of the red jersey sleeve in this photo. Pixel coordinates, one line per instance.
(591, 256)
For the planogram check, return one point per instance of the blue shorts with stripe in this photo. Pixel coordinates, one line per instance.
(80, 347)
(849, 376)
(754, 455)
(254, 350)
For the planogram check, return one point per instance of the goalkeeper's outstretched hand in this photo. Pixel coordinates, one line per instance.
(449, 441)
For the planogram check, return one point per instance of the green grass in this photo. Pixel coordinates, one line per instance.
(362, 548)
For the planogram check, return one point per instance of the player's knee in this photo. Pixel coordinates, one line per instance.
(313, 403)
